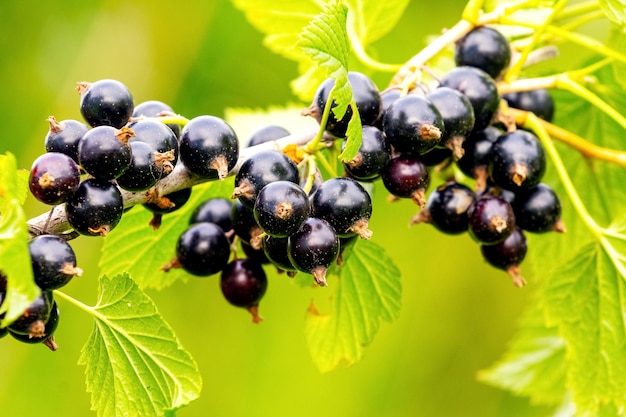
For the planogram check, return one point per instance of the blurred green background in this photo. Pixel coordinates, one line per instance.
(202, 57)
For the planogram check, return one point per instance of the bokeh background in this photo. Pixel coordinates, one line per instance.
(203, 57)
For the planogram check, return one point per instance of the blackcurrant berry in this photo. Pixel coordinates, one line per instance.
(245, 225)
(105, 103)
(538, 209)
(95, 208)
(480, 89)
(243, 283)
(405, 176)
(366, 96)
(64, 136)
(537, 101)
(387, 97)
(345, 205)
(447, 207)
(46, 336)
(267, 134)
(201, 250)
(214, 210)
(104, 151)
(476, 154)
(33, 321)
(436, 156)
(261, 169)
(485, 48)
(255, 255)
(458, 117)
(209, 147)
(281, 207)
(517, 160)
(167, 204)
(491, 220)
(412, 124)
(313, 248)
(54, 177)
(275, 249)
(371, 157)
(144, 170)
(53, 261)
(508, 255)
(155, 108)
(161, 138)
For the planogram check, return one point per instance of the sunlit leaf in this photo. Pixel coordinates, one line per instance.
(374, 19)
(615, 10)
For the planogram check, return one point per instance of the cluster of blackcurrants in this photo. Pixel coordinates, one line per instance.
(461, 120)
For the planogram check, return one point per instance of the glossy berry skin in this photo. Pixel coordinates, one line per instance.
(50, 327)
(313, 248)
(105, 103)
(485, 48)
(537, 209)
(412, 124)
(366, 96)
(371, 157)
(255, 255)
(447, 207)
(517, 160)
(280, 208)
(491, 220)
(261, 169)
(537, 101)
(275, 248)
(159, 136)
(170, 202)
(156, 108)
(214, 210)
(435, 156)
(209, 147)
(345, 205)
(245, 225)
(480, 89)
(54, 177)
(143, 171)
(64, 136)
(477, 150)
(405, 176)
(104, 152)
(457, 113)
(32, 321)
(53, 261)
(203, 249)
(267, 134)
(387, 97)
(508, 253)
(243, 283)
(95, 208)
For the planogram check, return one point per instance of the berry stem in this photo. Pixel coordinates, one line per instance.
(314, 145)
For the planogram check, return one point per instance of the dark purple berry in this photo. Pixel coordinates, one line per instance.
(54, 177)
(371, 157)
(209, 147)
(447, 207)
(47, 335)
(53, 261)
(314, 248)
(538, 209)
(155, 108)
(95, 208)
(517, 160)
(33, 320)
(267, 134)
(105, 103)
(436, 156)
(476, 154)
(280, 208)
(458, 117)
(243, 283)
(64, 136)
(144, 170)
(104, 151)
(537, 101)
(485, 48)
(405, 176)
(508, 255)
(214, 210)
(162, 140)
(275, 248)
(256, 255)
(245, 225)
(491, 220)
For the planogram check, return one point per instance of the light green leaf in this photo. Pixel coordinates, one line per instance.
(134, 247)
(617, 41)
(14, 257)
(354, 136)
(371, 20)
(368, 290)
(615, 10)
(135, 364)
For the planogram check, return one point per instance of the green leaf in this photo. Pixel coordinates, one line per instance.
(368, 290)
(371, 20)
(615, 10)
(135, 364)
(134, 247)
(14, 257)
(354, 136)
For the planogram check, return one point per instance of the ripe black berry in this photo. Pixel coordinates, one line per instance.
(245, 225)
(64, 136)
(267, 134)
(538, 209)
(167, 204)
(161, 138)
(143, 171)
(201, 250)
(412, 124)
(243, 283)
(280, 208)
(508, 255)
(485, 48)
(54, 177)
(105, 103)
(214, 210)
(209, 147)
(517, 160)
(476, 154)
(537, 101)
(371, 157)
(276, 250)
(480, 89)
(53, 261)
(46, 336)
(104, 151)
(458, 117)
(95, 208)
(345, 205)
(447, 208)
(261, 169)
(33, 321)
(405, 176)
(491, 220)
(313, 248)
(155, 108)
(255, 255)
